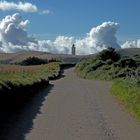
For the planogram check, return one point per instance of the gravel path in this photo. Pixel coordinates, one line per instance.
(80, 109)
(76, 109)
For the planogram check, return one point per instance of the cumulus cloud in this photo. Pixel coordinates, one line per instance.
(99, 38)
(24, 24)
(131, 44)
(14, 37)
(20, 6)
(13, 33)
(12, 29)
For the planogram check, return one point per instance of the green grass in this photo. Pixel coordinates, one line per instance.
(28, 77)
(129, 94)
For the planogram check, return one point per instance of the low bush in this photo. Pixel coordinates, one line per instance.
(109, 53)
(108, 65)
(127, 62)
(33, 61)
(109, 62)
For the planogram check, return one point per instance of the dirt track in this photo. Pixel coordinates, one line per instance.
(78, 109)
(72, 109)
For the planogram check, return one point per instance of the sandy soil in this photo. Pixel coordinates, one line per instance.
(78, 109)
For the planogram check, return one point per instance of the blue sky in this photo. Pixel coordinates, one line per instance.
(77, 17)
(54, 25)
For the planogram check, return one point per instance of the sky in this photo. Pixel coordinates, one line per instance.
(72, 20)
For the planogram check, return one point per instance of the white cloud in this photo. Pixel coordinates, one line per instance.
(99, 38)
(13, 33)
(14, 37)
(24, 24)
(12, 29)
(44, 12)
(131, 44)
(20, 6)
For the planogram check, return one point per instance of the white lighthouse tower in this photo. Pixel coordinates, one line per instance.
(73, 50)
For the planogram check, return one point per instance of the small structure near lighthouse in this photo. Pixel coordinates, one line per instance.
(73, 50)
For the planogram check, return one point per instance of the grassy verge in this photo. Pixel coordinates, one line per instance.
(18, 76)
(129, 94)
(20, 84)
(12, 75)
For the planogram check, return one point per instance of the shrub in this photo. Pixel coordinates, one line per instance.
(123, 72)
(109, 62)
(109, 53)
(81, 65)
(89, 68)
(106, 67)
(127, 62)
(98, 64)
(53, 60)
(116, 64)
(33, 61)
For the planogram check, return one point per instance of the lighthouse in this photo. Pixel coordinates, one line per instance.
(73, 50)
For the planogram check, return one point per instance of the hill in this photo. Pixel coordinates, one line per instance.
(9, 58)
(129, 51)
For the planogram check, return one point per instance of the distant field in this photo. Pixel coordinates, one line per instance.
(6, 58)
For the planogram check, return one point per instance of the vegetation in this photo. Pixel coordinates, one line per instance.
(124, 71)
(33, 61)
(14, 75)
(103, 67)
(36, 61)
(110, 54)
(129, 93)
(19, 84)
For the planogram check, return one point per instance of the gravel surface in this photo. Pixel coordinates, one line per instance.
(75, 109)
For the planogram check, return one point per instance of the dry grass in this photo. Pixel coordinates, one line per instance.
(27, 75)
(16, 68)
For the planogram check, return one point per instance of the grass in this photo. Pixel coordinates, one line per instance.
(18, 84)
(27, 75)
(129, 94)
